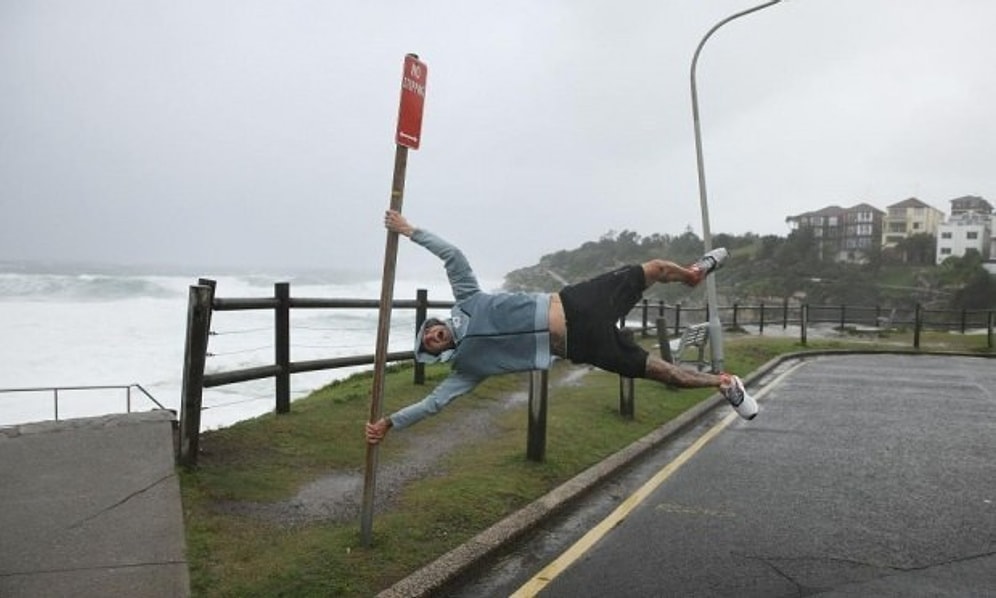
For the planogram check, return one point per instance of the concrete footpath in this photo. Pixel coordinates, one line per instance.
(91, 507)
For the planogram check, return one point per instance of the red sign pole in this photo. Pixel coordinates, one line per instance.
(408, 135)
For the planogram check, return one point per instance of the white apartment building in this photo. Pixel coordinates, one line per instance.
(969, 227)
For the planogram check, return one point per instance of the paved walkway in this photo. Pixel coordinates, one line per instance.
(91, 507)
(868, 475)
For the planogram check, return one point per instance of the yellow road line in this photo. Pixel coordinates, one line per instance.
(578, 549)
(565, 560)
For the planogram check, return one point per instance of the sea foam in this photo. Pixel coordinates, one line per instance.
(117, 329)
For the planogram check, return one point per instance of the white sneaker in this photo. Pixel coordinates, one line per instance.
(732, 388)
(713, 259)
(708, 263)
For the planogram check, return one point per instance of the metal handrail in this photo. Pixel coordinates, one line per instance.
(55, 393)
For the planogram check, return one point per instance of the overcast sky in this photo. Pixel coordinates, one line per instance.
(261, 134)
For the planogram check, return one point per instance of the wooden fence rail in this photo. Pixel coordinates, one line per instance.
(844, 316)
(202, 303)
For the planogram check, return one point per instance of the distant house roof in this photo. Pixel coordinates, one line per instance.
(971, 202)
(910, 203)
(834, 211)
(827, 211)
(864, 207)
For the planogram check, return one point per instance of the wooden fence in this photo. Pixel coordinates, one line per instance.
(202, 303)
(844, 317)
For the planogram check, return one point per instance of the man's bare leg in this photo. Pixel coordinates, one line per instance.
(658, 270)
(730, 386)
(669, 373)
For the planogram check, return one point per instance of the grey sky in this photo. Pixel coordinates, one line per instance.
(261, 133)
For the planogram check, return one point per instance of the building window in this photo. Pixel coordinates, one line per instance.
(916, 226)
(945, 235)
(945, 251)
(972, 235)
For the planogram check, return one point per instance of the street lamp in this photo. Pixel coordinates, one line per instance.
(715, 328)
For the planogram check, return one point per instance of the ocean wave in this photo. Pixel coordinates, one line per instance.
(81, 287)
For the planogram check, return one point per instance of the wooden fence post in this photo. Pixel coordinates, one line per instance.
(803, 321)
(195, 355)
(760, 329)
(281, 341)
(646, 311)
(663, 341)
(989, 329)
(213, 285)
(421, 309)
(627, 397)
(917, 323)
(536, 431)
(626, 387)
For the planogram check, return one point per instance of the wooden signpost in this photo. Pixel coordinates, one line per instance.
(408, 135)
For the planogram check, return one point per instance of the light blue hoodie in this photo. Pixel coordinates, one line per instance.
(494, 333)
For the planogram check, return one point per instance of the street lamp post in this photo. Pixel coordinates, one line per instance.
(715, 328)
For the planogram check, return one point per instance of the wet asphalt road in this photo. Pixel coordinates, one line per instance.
(864, 475)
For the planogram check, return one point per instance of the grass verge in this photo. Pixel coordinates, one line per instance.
(269, 458)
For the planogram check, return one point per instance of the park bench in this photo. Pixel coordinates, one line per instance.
(693, 339)
(884, 324)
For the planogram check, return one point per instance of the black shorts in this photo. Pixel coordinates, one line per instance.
(592, 309)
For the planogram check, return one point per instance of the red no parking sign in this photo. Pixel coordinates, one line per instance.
(412, 101)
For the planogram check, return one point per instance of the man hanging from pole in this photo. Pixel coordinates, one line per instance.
(488, 334)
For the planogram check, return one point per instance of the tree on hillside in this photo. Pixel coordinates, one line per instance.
(769, 246)
(686, 247)
(978, 293)
(955, 270)
(764, 268)
(918, 249)
(800, 252)
(978, 286)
